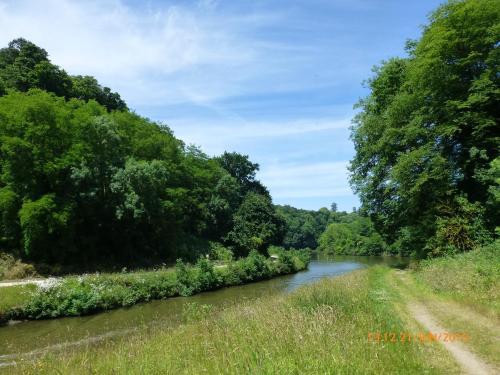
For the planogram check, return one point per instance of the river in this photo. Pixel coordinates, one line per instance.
(36, 337)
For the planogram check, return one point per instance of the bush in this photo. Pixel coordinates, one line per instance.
(186, 279)
(461, 230)
(220, 252)
(11, 268)
(87, 294)
(207, 278)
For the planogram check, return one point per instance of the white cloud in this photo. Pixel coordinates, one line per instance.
(163, 54)
(139, 52)
(216, 137)
(322, 179)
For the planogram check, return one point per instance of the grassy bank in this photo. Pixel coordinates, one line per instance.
(471, 278)
(319, 329)
(72, 296)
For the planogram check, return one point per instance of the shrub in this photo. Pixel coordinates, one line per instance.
(206, 277)
(87, 294)
(11, 268)
(220, 252)
(186, 280)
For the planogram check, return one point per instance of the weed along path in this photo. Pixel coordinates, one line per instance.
(468, 361)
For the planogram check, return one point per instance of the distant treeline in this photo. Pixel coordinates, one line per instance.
(331, 231)
(427, 166)
(85, 181)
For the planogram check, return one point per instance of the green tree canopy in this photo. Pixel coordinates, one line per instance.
(256, 225)
(24, 65)
(428, 131)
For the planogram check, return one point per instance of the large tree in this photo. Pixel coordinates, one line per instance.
(426, 135)
(256, 225)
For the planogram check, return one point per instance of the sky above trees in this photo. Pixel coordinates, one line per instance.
(273, 79)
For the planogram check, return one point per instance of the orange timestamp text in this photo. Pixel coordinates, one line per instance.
(418, 337)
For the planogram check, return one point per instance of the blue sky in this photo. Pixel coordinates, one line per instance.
(276, 80)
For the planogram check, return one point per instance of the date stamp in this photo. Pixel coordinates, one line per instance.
(418, 337)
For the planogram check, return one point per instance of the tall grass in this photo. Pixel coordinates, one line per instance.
(472, 278)
(319, 329)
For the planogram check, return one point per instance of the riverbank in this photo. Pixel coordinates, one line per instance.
(87, 294)
(319, 328)
(361, 322)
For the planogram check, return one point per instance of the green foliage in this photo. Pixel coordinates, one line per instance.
(256, 225)
(9, 206)
(356, 236)
(81, 185)
(24, 66)
(39, 221)
(85, 181)
(206, 277)
(243, 170)
(303, 227)
(87, 294)
(460, 230)
(473, 277)
(87, 88)
(425, 136)
(186, 279)
(221, 253)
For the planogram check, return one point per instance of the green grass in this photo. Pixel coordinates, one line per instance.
(471, 278)
(463, 293)
(14, 296)
(319, 329)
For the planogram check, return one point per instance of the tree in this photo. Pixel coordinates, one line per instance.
(49, 77)
(243, 170)
(354, 235)
(338, 238)
(87, 88)
(18, 61)
(426, 133)
(86, 182)
(24, 65)
(303, 227)
(256, 225)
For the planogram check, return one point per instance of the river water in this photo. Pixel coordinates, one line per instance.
(36, 337)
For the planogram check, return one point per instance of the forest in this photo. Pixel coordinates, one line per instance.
(84, 180)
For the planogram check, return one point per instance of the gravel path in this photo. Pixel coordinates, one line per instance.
(4, 284)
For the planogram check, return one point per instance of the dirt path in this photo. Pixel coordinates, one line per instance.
(4, 284)
(469, 361)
